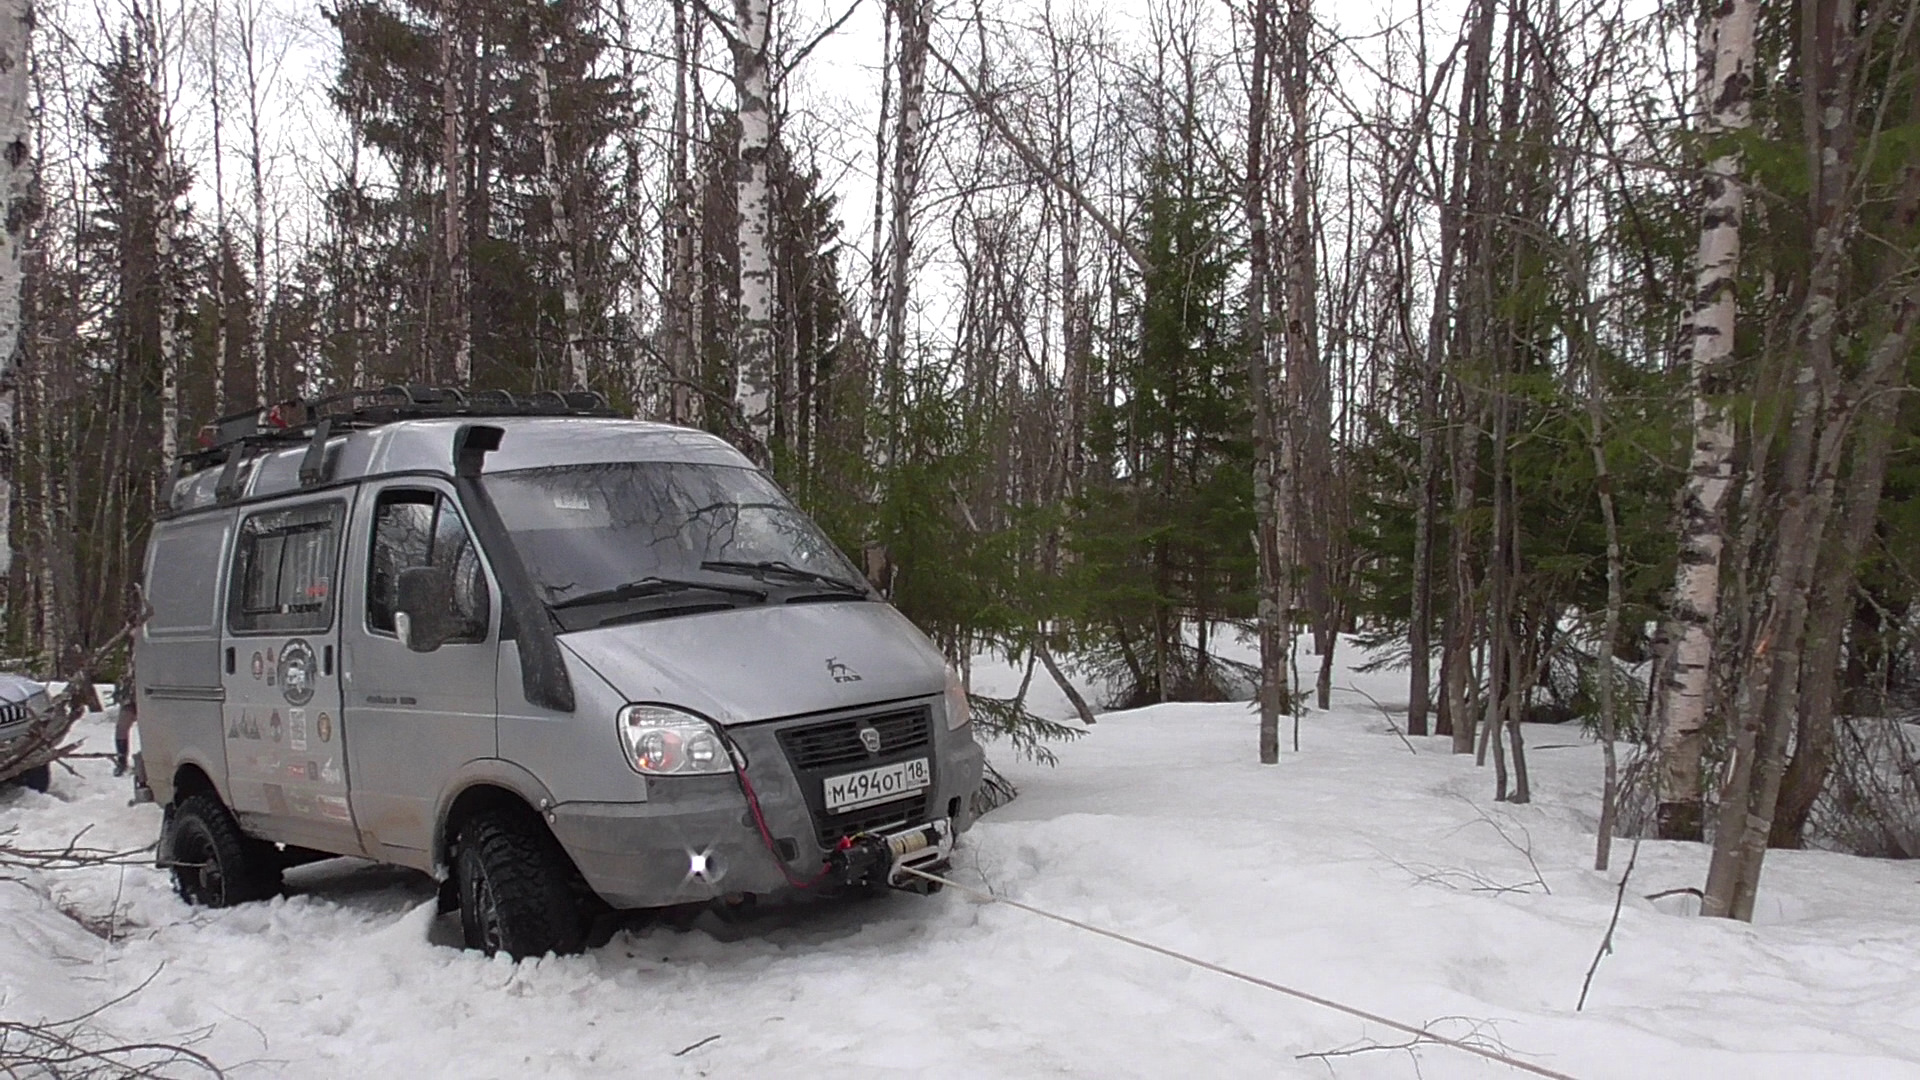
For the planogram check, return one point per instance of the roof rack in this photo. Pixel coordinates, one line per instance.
(314, 420)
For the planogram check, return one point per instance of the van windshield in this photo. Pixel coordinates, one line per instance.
(637, 531)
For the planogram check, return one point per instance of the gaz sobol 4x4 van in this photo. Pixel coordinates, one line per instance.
(562, 661)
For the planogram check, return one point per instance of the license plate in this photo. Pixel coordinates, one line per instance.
(869, 786)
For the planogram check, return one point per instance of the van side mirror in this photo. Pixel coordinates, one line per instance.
(423, 612)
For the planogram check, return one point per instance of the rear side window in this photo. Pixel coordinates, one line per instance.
(183, 571)
(283, 570)
(422, 528)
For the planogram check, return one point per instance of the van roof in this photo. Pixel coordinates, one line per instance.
(304, 445)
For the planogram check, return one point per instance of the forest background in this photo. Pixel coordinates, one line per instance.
(1565, 341)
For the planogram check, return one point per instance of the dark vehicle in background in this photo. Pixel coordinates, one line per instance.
(24, 706)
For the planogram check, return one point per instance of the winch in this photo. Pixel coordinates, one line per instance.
(874, 859)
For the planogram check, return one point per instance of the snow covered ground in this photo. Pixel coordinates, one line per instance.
(1356, 870)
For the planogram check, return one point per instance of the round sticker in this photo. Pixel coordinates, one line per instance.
(297, 672)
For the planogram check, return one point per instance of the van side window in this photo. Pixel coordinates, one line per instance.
(422, 528)
(283, 567)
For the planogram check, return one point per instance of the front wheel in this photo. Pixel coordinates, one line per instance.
(516, 888)
(214, 863)
(38, 778)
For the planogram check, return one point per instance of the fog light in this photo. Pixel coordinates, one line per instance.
(707, 866)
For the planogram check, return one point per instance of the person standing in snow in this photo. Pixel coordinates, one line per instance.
(125, 696)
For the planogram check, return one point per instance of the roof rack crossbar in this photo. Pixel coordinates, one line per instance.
(228, 439)
(313, 464)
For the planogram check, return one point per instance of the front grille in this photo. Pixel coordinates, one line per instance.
(824, 749)
(14, 714)
(837, 742)
(883, 818)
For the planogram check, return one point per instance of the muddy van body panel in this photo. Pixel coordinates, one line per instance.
(412, 720)
(177, 652)
(285, 747)
(576, 755)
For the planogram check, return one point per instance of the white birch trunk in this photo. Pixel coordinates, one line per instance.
(876, 260)
(648, 383)
(912, 65)
(52, 583)
(219, 210)
(753, 352)
(574, 356)
(1727, 48)
(454, 219)
(16, 189)
(256, 165)
(163, 225)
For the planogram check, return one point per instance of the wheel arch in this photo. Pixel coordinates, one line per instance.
(190, 777)
(486, 784)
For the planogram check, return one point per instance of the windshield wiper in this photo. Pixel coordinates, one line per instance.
(778, 566)
(655, 586)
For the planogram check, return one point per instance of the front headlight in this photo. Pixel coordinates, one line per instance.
(959, 710)
(664, 741)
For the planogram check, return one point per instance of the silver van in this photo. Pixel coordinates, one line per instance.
(567, 663)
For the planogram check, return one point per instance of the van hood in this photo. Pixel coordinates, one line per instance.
(765, 662)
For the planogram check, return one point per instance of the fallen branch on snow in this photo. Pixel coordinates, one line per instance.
(1606, 943)
(1391, 726)
(1525, 850)
(1454, 877)
(1479, 1033)
(72, 1049)
(71, 857)
(685, 1050)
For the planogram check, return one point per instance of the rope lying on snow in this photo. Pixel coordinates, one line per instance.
(1325, 1003)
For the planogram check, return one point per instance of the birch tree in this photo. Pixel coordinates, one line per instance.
(457, 318)
(911, 66)
(248, 16)
(16, 191)
(753, 348)
(214, 75)
(1726, 51)
(573, 359)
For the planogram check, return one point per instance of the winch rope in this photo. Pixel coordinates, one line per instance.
(1418, 1033)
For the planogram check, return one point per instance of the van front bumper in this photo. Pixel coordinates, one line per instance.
(695, 840)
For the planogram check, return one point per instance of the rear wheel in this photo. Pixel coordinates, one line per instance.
(214, 863)
(516, 888)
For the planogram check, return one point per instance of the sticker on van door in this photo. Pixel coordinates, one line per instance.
(297, 671)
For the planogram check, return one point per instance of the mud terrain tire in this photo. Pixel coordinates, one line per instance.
(38, 778)
(214, 863)
(516, 888)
